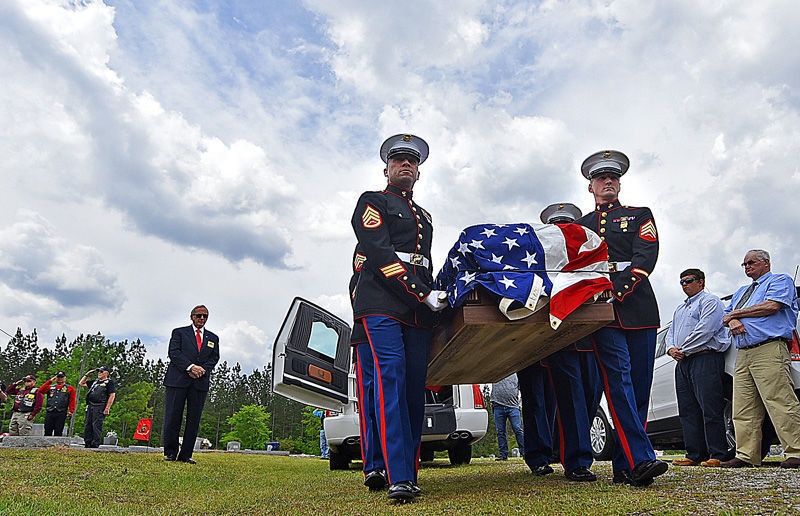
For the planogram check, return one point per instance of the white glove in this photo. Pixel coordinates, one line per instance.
(436, 300)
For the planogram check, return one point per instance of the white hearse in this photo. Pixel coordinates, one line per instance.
(312, 364)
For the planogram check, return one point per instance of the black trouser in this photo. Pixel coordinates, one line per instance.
(54, 422)
(175, 400)
(93, 427)
(701, 405)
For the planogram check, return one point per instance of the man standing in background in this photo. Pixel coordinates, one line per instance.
(27, 403)
(193, 353)
(101, 395)
(505, 408)
(762, 317)
(61, 402)
(697, 341)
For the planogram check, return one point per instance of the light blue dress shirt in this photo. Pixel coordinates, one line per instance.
(697, 325)
(771, 287)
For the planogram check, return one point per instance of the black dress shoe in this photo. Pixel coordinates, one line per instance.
(170, 458)
(416, 489)
(401, 491)
(581, 474)
(542, 470)
(624, 477)
(188, 461)
(621, 477)
(646, 471)
(376, 480)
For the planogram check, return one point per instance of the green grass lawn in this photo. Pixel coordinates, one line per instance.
(75, 482)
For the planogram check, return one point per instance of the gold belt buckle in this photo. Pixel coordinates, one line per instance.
(416, 259)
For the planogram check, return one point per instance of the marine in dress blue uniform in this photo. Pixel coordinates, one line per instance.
(537, 421)
(625, 348)
(575, 382)
(539, 408)
(394, 301)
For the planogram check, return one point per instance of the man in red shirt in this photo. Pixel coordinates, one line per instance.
(27, 404)
(60, 403)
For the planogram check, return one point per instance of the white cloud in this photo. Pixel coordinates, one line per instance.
(43, 272)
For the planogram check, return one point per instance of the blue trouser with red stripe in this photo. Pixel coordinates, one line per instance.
(371, 455)
(400, 354)
(536, 423)
(576, 384)
(625, 359)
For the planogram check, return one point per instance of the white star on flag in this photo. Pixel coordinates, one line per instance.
(488, 233)
(497, 259)
(521, 231)
(509, 283)
(455, 262)
(530, 259)
(511, 243)
(477, 244)
(468, 277)
(463, 248)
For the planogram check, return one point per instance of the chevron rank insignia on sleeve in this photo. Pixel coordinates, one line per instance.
(648, 231)
(371, 218)
(393, 269)
(358, 261)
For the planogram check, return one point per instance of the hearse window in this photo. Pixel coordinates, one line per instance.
(322, 342)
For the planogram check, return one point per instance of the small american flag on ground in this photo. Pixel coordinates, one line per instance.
(522, 262)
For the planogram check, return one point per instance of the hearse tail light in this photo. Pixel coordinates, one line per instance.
(477, 395)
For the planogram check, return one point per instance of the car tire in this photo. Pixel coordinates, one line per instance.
(338, 460)
(768, 435)
(426, 455)
(460, 454)
(602, 437)
(730, 436)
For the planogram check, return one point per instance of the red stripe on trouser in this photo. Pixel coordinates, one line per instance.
(623, 439)
(362, 424)
(379, 394)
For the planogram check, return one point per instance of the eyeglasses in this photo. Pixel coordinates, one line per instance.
(199, 316)
(750, 262)
(688, 281)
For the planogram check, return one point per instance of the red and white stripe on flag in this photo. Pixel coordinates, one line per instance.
(582, 256)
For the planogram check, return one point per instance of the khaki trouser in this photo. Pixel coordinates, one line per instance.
(19, 424)
(762, 383)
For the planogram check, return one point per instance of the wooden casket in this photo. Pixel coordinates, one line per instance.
(476, 343)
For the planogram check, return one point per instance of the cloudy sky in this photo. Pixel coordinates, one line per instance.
(155, 155)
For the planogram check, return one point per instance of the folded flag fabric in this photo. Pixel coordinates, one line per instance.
(525, 264)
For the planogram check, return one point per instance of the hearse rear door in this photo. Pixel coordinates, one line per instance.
(311, 357)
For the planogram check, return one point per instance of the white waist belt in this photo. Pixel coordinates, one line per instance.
(413, 259)
(618, 266)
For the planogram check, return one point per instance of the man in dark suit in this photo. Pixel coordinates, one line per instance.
(193, 353)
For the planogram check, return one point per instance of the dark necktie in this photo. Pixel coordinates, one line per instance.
(746, 295)
(199, 340)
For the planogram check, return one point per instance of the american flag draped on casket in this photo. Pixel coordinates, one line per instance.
(525, 265)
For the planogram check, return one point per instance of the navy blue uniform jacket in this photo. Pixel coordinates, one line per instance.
(183, 353)
(384, 223)
(631, 236)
